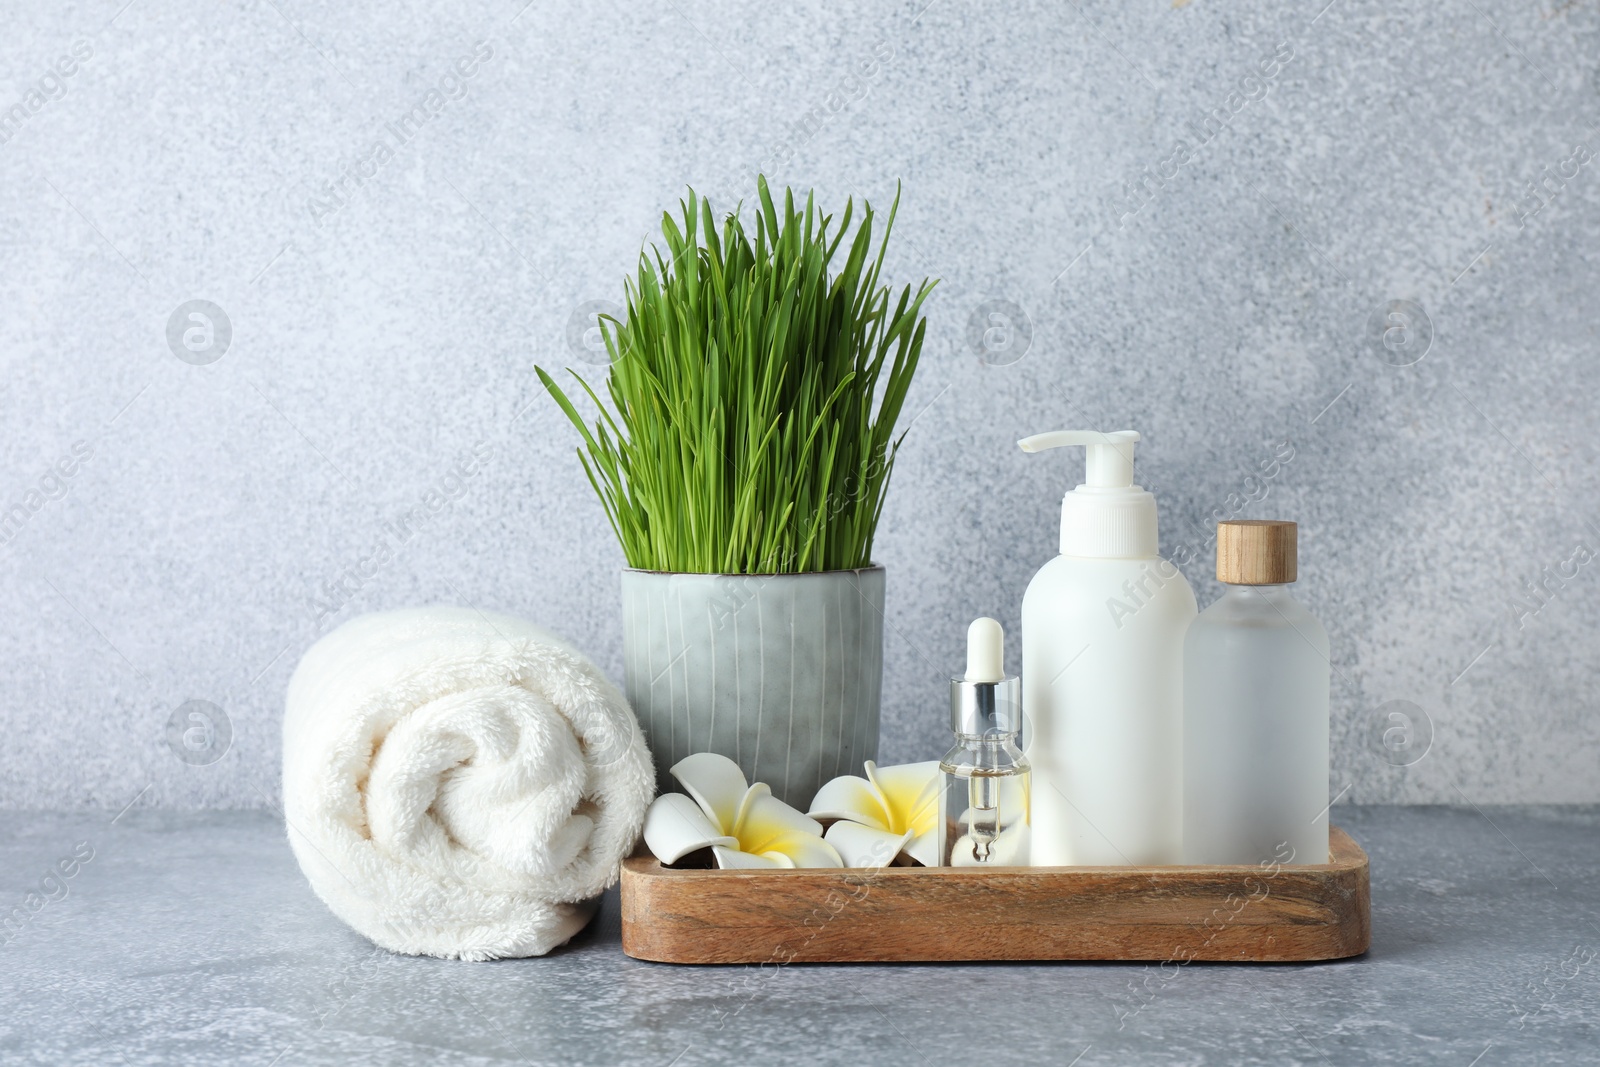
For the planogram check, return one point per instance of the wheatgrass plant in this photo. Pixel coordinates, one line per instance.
(754, 389)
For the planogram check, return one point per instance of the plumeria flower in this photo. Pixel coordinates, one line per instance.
(744, 826)
(892, 810)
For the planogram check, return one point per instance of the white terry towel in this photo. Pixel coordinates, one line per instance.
(459, 784)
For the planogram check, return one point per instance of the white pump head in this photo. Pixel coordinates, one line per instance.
(1107, 517)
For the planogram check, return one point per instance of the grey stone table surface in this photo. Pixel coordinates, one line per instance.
(191, 937)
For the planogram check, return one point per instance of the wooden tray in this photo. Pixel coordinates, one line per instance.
(1313, 912)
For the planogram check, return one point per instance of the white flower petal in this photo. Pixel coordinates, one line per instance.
(910, 794)
(764, 820)
(674, 826)
(924, 848)
(780, 859)
(925, 809)
(731, 859)
(849, 797)
(716, 783)
(760, 789)
(864, 846)
(804, 850)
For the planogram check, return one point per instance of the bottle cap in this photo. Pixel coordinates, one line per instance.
(1107, 516)
(1256, 552)
(987, 702)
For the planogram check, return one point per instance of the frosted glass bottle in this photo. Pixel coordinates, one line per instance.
(1255, 711)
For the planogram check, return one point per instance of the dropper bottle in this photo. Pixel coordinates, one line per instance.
(983, 801)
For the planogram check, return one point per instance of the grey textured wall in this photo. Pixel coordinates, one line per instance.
(1191, 215)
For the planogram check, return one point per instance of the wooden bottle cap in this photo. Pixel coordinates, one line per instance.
(1256, 552)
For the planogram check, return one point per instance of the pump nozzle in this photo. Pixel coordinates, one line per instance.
(1107, 517)
(1109, 455)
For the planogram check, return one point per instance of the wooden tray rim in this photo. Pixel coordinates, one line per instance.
(1344, 854)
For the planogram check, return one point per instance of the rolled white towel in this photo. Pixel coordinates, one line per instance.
(459, 784)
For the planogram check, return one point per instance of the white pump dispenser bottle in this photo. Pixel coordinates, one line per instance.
(1102, 659)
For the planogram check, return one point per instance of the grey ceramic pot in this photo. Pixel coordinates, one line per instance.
(781, 673)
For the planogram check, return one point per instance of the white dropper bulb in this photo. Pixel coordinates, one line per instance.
(986, 651)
